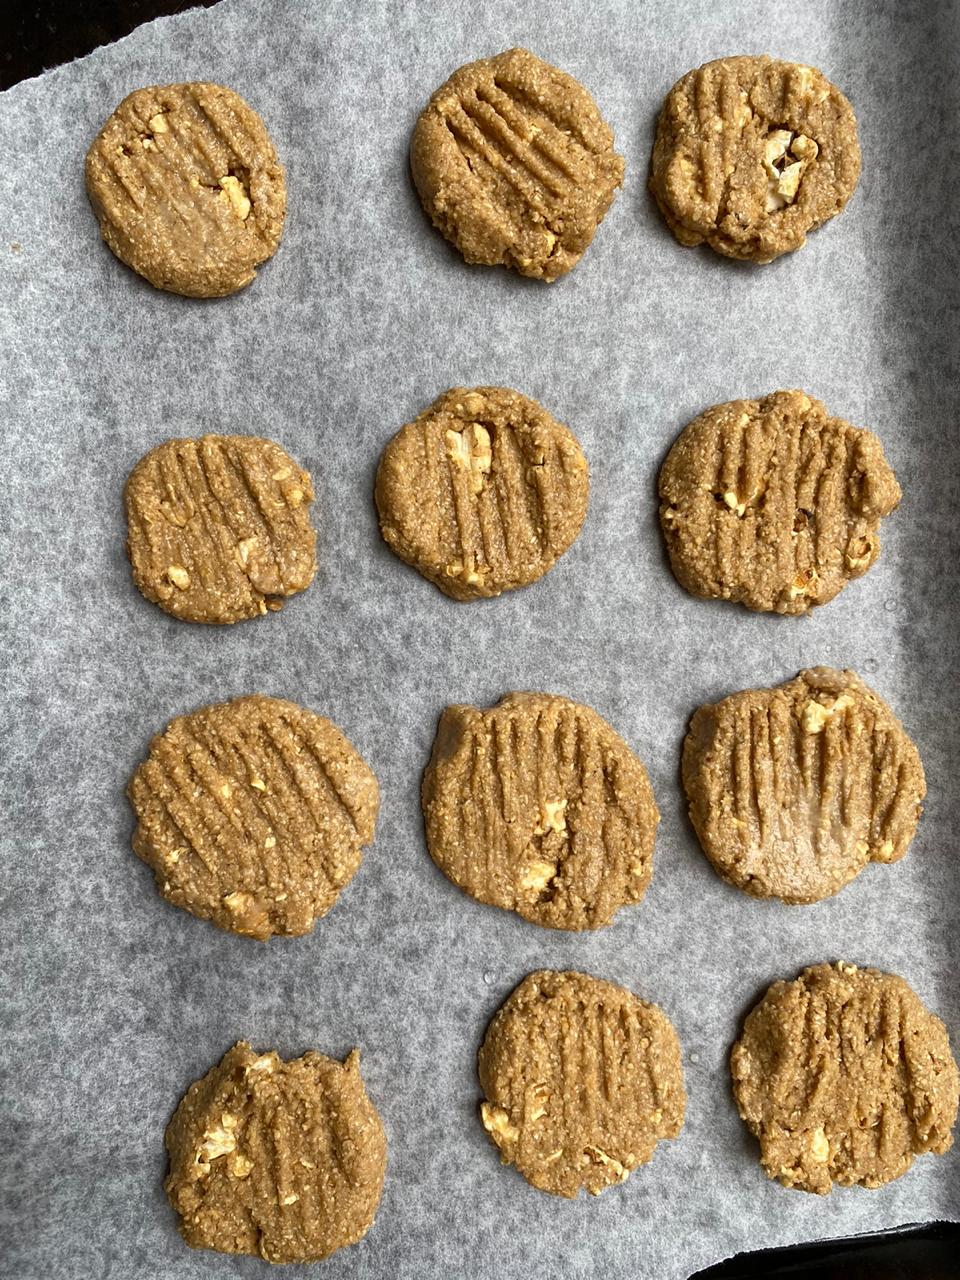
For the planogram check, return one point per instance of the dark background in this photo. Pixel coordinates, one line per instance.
(35, 37)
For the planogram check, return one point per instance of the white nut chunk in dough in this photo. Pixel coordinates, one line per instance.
(538, 875)
(817, 714)
(783, 179)
(495, 1120)
(219, 1141)
(470, 449)
(819, 1146)
(235, 193)
(551, 817)
(597, 1156)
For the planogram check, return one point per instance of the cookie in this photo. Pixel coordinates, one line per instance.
(773, 504)
(582, 1079)
(751, 154)
(187, 188)
(281, 1160)
(845, 1077)
(483, 492)
(794, 790)
(252, 814)
(219, 528)
(539, 807)
(515, 165)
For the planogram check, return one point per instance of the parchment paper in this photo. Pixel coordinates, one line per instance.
(113, 1001)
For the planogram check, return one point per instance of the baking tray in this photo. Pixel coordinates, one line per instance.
(114, 1001)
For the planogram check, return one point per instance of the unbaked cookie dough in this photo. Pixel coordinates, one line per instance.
(773, 504)
(582, 1079)
(794, 790)
(252, 814)
(751, 154)
(281, 1160)
(187, 188)
(539, 807)
(845, 1077)
(483, 492)
(515, 165)
(219, 528)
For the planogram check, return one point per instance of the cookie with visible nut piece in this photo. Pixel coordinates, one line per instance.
(515, 165)
(845, 1077)
(252, 814)
(752, 153)
(538, 806)
(483, 492)
(281, 1160)
(187, 188)
(773, 504)
(219, 528)
(582, 1079)
(794, 790)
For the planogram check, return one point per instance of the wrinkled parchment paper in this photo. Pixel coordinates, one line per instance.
(113, 1002)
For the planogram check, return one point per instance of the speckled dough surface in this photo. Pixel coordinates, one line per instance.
(252, 814)
(219, 528)
(845, 1077)
(751, 154)
(282, 1160)
(794, 790)
(187, 188)
(515, 165)
(539, 807)
(483, 492)
(582, 1079)
(773, 504)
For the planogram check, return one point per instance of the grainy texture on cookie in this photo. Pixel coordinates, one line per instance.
(252, 814)
(539, 807)
(845, 1077)
(515, 165)
(583, 1079)
(187, 188)
(483, 492)
(751, 154)
(794, 790)
(281, 1160)
(219, 528)
(773, 504)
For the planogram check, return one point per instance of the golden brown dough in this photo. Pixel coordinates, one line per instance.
(483, 492)
(281, 1160)
(515, 165)
(794, 790)
(845, 1077)
(751, 154)
(219, 528)
(252, 814)
(773, 504)
(583, 1079)
(187, 188)
(539, 807)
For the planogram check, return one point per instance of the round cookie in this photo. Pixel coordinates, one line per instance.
(252, 814)
(515, 165)
(483, 492)
(751, 154)
(539, 807)
(187, 188)
(281, 1160)
(773, 504)
(583, 1079)
(845, 1077)
(219, 528)
(794, 790)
